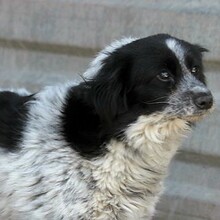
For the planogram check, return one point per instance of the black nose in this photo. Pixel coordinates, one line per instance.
(203, 100)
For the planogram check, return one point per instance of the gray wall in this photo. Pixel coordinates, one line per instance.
(44, 42)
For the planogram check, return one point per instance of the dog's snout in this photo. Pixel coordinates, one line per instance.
(203, 100)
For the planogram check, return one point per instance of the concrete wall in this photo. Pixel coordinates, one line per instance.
(44, 42)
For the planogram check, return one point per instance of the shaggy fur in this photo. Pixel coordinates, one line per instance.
(99, 149)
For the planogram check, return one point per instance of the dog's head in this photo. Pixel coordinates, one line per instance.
(159, 73)
(158, 76)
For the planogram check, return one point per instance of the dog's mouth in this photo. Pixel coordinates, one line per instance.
(198, 115)
(194, 118)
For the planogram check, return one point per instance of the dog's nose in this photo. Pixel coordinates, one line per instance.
(203, 100)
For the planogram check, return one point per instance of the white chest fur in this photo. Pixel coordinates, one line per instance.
(129, 178)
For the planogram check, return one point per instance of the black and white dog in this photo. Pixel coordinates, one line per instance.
(99, 149)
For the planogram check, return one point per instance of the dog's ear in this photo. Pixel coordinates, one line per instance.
(109, 88)
(201, 48)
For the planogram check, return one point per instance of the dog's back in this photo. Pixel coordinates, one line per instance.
(12, 114)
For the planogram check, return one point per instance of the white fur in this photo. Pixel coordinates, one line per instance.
(200, 88)
(130, 176)
(179, 52)
(177, 49)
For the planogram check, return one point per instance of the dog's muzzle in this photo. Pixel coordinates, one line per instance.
(191, 100)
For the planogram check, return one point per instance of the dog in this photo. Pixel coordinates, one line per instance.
(99, 149)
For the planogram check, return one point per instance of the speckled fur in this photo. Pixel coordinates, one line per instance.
(47, 179)
(124, 184)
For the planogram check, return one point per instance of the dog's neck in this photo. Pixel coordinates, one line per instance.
(129, 177)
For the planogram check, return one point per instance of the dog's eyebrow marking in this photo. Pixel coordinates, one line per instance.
(177, 49)
(179, 52)
(97, 63)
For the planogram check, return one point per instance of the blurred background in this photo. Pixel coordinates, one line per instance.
(43, 42)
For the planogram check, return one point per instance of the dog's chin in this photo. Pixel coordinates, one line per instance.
(194, 118)
(197, 116)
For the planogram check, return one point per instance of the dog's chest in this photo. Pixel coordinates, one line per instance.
(129, 178)
(124, 189)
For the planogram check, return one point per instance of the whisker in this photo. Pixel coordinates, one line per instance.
(153, 103)
(162, 97)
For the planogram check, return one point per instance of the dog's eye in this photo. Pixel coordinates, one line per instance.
(195, 69)
(164, 76)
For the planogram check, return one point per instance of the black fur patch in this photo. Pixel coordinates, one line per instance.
(81, 125)
(13, 113)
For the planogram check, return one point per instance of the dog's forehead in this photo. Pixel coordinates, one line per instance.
(177, 48)
(162, 46)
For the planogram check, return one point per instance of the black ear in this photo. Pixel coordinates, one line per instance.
(109, 88)
(201, 49)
